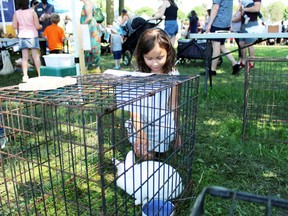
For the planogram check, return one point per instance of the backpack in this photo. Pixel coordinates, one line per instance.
(98, 15)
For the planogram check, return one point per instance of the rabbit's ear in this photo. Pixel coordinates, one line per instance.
(130, 159)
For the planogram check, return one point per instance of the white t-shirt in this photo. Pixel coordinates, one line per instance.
(157, 118)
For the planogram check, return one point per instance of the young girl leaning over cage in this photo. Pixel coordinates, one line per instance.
(152, 127)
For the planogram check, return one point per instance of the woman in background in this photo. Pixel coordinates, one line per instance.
(92, 57)
(169, 9)
(193, 22)
(124, 18)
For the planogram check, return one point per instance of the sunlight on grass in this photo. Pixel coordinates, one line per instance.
(269, 174)
(212, 122)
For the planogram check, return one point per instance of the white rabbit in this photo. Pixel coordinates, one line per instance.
(148, 179)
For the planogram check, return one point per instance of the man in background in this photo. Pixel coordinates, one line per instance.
(220, 20)
(43, 11)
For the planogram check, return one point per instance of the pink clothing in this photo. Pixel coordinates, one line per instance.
(27, 28)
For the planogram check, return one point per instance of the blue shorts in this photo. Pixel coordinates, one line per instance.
(171, 27)
(29, 43)
(117, 55)
(243, 30)
(214, 29)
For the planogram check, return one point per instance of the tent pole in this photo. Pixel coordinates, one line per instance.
(75, 36)
(3, 17)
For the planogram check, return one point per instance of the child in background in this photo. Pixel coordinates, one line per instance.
(54, 34)
(116, 42)
(151, 129)
(25, 20)
(247, 4)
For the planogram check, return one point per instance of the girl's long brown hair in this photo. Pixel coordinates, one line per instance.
(147, 42)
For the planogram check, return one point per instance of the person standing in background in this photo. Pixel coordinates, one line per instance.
(33, 3)
(206, 20)
(193, 22)
(54, 34)
(220, 20)
(235, 28)
(124, 18)
(92, 57)
(169, 9)
(25, 20)
(43, 11)
(116, 45)
(68, 26)
(252, 13)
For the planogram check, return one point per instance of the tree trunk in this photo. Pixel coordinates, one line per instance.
(109, 11)
(121, 6)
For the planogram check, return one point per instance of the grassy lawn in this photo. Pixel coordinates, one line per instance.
(221, 158)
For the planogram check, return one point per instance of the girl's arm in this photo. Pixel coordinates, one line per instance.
(88, 10)
(174, 98)
(111, 43)
(214, 12)
(141, 142)
(15, 22)
(161, 10)
(255, 8)
(36, 21)
(236, 17)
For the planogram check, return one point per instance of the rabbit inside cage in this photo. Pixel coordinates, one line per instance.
(72, 150)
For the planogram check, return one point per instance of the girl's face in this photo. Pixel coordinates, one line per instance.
(155, 59)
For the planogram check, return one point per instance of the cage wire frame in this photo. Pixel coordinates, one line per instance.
(265, 116)
(59, 157)
(262, 205)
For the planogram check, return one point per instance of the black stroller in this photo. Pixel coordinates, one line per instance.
(191, 49)
(134, 28)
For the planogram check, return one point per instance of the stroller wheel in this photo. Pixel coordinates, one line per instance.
(187, 61)
(126, 58)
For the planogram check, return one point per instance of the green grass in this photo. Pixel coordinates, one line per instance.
(220, 157)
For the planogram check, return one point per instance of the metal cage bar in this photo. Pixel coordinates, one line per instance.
(265, 116)
(63, 143)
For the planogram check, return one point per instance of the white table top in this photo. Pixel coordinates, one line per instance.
(237, 35)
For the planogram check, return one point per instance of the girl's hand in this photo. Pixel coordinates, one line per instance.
(141, 148)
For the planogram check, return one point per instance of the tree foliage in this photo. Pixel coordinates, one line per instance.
(274, 12)
(201, 10)
(286, 13)
(145, 12)
(182, 15)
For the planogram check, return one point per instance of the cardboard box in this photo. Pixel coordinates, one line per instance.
(273, 29)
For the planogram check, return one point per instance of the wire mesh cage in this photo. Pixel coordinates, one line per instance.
(72, 150)
(266, 106)
(216, 200)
